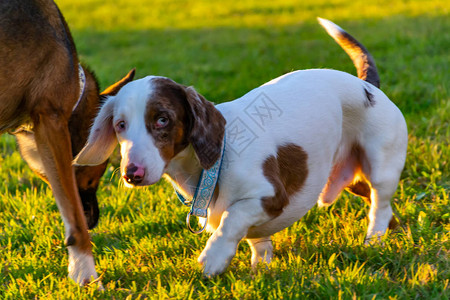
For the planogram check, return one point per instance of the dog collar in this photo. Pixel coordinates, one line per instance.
(82, 81)
(203, 192)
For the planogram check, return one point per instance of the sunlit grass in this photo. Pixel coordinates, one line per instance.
(179, 14)
(141, 245)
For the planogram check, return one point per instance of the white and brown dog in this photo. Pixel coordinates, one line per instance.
(297, 140)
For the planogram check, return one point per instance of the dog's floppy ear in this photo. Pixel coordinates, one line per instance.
(113, 89)
(207, 128)
(102, 137)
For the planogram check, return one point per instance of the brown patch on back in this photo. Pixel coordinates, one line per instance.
(39, 71)
(287, 173)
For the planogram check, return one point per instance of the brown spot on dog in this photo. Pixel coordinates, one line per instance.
(168, 101)
(191, 119)
(287, 173)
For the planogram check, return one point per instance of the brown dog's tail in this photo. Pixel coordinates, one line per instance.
(363, 61)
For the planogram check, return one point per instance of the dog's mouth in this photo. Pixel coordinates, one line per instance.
(90, 206)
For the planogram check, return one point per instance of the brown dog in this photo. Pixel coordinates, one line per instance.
(47, 100)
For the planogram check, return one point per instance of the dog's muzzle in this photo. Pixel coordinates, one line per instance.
(90, 206)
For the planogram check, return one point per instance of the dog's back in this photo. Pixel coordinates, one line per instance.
(36, 45)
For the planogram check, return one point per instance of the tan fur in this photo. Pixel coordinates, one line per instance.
(39, 86)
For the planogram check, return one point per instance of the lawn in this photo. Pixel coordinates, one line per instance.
(142, 246)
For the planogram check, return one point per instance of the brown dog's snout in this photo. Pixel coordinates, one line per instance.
(134, 174)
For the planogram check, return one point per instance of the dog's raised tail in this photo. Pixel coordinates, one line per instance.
(362, 59)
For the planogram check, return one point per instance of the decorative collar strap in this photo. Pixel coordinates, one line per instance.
(203, 192)
(82, 80)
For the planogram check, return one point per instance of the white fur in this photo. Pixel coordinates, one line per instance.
(330, 27)
(323, 111)
(81, 267)
(136, 144)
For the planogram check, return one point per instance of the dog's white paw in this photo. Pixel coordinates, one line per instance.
(216, 257)
(262, 251)
(82, 267)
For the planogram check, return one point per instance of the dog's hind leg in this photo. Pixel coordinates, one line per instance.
(383, 177)
(383, 183)
(53, 143)
(262, 250)
(342, 174)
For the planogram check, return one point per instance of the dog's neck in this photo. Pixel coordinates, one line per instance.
(184, 171)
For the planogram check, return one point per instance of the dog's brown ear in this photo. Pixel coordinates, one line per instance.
(102, 138)
(207, 129)
(113, 89)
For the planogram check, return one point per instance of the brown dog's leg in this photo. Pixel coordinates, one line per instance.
(53, 142)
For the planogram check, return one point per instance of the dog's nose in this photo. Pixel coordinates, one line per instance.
(134, 174)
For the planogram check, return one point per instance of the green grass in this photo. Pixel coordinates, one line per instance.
(141, 245)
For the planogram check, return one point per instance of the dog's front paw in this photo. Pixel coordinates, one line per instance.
(216, 257)
(82, 268)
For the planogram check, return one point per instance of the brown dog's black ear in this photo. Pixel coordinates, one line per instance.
(208, 128)
(113, 89)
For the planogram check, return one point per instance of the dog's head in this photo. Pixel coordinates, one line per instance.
(153, 119)
(88, 177)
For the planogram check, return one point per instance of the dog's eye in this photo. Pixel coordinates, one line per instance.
(161, 122)
(120, 126)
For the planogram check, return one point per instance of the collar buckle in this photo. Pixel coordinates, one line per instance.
(204, 192)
